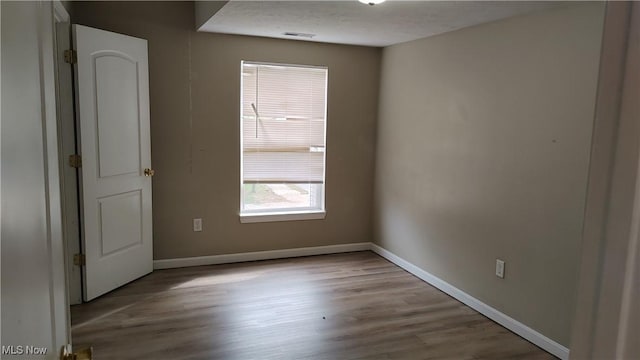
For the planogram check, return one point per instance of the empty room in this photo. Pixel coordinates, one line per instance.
(320, 180)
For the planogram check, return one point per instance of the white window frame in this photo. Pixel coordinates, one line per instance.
(282, 214)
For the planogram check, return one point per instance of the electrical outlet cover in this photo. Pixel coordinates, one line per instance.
(500, 268)
(197, 224)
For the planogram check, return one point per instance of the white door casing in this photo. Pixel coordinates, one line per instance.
(112, 104)
(34, 304)
(66, 148)
(607, 319)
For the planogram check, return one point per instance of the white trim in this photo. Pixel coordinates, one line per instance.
(282, 216)
(275, 64)
(247, 217)
(259, 255)
(60, 14)
(486, 310)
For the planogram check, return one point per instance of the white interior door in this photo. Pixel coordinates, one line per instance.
(112, 99)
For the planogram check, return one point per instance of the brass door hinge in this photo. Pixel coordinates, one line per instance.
(75, 161)
(79, 260)
(70, 56)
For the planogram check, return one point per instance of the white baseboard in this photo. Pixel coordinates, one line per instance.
(486, 310)
(259, 255)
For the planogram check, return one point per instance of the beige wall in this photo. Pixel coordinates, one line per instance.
(195, 94)
(483, 153)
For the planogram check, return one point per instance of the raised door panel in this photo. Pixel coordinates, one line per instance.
(117, 114)
(120, 222)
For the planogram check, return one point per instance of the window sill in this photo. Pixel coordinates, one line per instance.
(284, 216)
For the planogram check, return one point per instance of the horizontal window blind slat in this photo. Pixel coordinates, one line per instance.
(276, 167)
(282, 133)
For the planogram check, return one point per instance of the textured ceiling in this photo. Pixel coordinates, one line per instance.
(350, 22)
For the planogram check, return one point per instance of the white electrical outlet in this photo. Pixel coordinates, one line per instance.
(500, 268)
(197, 224)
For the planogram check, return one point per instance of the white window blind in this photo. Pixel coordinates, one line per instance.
(283, 124)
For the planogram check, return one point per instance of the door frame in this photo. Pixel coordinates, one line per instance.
(610, 262)
(37, 307)
(61, 16)
(67, 146)
(54, 13)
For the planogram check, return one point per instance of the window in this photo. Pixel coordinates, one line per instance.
(283, 141)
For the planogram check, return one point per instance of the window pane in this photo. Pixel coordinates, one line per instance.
(272, 196)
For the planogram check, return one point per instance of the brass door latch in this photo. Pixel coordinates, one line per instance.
(75, 161)
(149, 172)
(82, 354)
